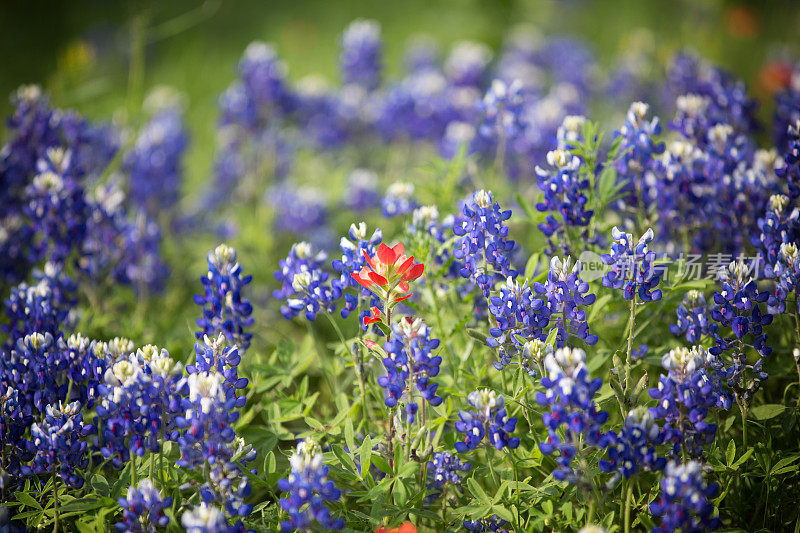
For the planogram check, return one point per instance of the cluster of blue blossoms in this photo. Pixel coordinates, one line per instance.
(685, 395)
(484, 248)
(569, 393)
(137, 400)
(684, 501)
(410, 365)
(488, 420)
(308, 491)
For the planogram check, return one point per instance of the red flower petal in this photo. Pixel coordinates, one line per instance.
(415, 272)
(377, 278)
(400, 299)
(385, 254)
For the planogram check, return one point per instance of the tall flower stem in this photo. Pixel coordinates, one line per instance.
(55, 496)
(743, 410)
(356, 366)
(628, 498)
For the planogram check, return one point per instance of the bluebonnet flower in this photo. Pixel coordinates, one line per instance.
(58, 444)
(638, 147)
(569, 392)
(787, 272)
(787, 110)
(153, 165)
(44, 307)
(737, 308)
(682, 192)
(419, 107)
(361, 57)
(684, 503)
(467, 63)
(356, 247)
(311, 294)
(35, 368)
(483, 247)
(140, 402)
(500, 116)
(58, 212)
(743, 180)
(207, 518)
(779, 226)
(684, 396)
(143, 509)
(489, 419)
(493, 524)
(215, 355)
(141, 264)
(693, 317)
(301, 257)
(86, 366)
(263, 76)
(399, 199)
(518, 316)
(790, 170)
(298, 210)
(43, 140)
(632, 267)
(727, 99)
(208, 440)
(361, 190)
(634, 447)
(570, 132)
(410, 365)
(320, 112)
(564, 293)
(225, 310)
(106, 228)
(446, 469)
(309, 490)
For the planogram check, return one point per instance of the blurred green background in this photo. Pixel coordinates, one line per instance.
(84, 52)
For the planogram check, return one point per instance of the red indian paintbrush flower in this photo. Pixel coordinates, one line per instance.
(388, 273)
(374, 316)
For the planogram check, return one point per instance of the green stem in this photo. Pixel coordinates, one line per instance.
(356, 366)
(55, 496)
(743, 410)
(628, 497)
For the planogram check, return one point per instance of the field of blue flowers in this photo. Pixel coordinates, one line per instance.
(507, 289)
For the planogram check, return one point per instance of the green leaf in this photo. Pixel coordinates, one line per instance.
(100, 485)
(730, 453)
(745, 456)
(477, 490)
(344, 458)
(477, 335)
(27, 499)
(348, 434)
(366, 455)
(767, 411)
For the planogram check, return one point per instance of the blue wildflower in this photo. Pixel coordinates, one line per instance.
(225, 310)
(564, 294)
(410, 365)
(483, 247)
(143, 508)
(684, 397)
(684, 503)
(633, 269)
(488, 420)
(309, 489)
(361, 57)
(569, 393)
